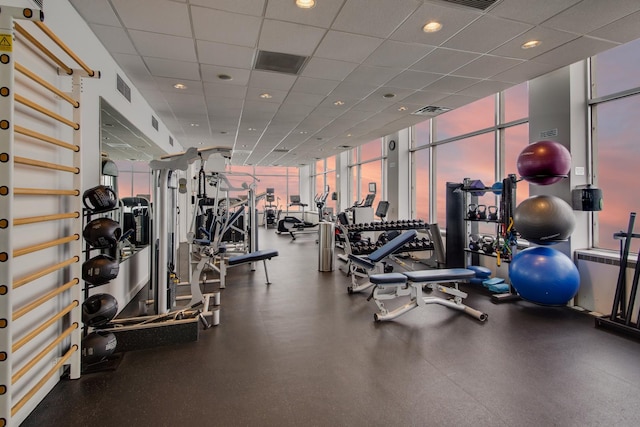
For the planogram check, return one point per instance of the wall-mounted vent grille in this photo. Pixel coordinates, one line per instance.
(279, 62)
(38, 3)
(171, 141)
(123, 88)
(154, 123)
(431, 110)
(344, 147)
(476, 4)
(281, 150)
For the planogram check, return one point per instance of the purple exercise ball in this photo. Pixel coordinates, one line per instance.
(544, 162)
(544, 275)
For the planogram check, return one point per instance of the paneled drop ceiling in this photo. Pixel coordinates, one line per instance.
(369, 64)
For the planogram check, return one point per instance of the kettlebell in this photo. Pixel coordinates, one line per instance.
(473, 211)
(493, 213)
(488, 244)
(474, 242)
(482, 212)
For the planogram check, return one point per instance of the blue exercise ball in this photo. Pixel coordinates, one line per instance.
(544, 275)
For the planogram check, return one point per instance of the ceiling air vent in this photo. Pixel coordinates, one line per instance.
(475, 4)
(431, 110)
(279, 62)
(280, 150)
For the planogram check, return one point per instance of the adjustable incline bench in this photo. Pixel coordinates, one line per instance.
(363, 266)
(393, 285)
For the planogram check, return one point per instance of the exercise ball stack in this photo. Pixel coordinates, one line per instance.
(541, 274)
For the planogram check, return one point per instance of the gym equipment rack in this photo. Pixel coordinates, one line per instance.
(49, 344)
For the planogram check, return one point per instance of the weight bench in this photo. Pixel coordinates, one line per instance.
(411, 283)
(362, 266)
(249, 258)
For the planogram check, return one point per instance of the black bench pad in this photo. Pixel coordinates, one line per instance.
(387, 278)
(442, 275)
(253, 256)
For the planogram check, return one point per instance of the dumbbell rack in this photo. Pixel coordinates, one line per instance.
(419, 244)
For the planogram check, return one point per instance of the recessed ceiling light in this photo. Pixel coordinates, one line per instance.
(403, 108)
(319, 138)
(303, 132)
(244, 145)
(349, 135)
(195, 125)
(265, 96)
(224, 77)
(223, 132)
(180, 86)
(338, 103)
(432, 27)
(531, 43)
(305, 4)
(252, 129)
(388, 95)
(107, 125)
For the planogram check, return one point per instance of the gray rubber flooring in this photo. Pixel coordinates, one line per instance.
(302, 352)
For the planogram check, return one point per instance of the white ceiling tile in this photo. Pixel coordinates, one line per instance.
(353, 90)
(549, 38)
(287, 37)
(252, 106)
(455, 101)
(451, 84)
(531, 12)
(136, 68)
(314, 86)
(444, 61)
(322, 15)
(485, 88)
(588, 15)
(225, 55)
(486, 34)
(219, 26)
(452, 19)
(114, 37)
(328, 69)
(411, 79)
(170, 68)
(372, 75)
(378, 18)
(397, 54)
(165, 85)
(574, 51)
(423, 97)
(304, 98)
(247, 7)
(622, 31)
(96, 12)
(347, 47)
(164, 46)
(224, 91)
(525, 71)
(239, 76)
(486, 66)
(271, 80)
(167, 18)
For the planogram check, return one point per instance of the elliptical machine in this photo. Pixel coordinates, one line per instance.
(293, 225)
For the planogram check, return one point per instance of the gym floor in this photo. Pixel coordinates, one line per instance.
(302, 352)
